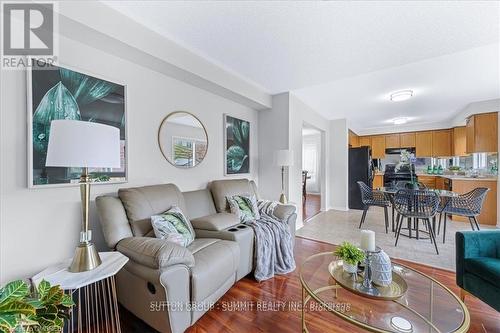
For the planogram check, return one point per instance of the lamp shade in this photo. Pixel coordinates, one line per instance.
(74, 143)
(283, 157)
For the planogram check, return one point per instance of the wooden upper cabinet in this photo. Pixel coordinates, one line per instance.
(378, 146)
(423, 144)
(441, 143)
(392, 141)
(469, 134)
(407, 140)
(482, 133)
(365, 141)
(459, 145)
(353, 139)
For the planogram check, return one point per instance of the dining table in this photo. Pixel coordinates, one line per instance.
(390, 191)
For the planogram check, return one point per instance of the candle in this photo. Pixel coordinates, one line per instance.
(368, 240)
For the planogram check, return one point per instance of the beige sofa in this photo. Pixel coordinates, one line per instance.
(166, 285)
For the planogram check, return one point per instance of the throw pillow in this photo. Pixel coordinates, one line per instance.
(173, 226)
(244, 206)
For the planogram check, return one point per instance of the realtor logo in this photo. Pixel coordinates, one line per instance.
(28, 29)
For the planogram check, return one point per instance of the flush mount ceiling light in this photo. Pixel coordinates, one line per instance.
(401, 95)
(400, 121)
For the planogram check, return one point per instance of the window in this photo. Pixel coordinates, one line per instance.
(187, 151)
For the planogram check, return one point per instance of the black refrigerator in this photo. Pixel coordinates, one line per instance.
(360, 169)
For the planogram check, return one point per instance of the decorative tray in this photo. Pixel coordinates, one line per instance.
(351, 282)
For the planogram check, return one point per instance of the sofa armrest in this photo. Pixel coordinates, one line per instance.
(215, 222)
(283, 212)
(474, 244)
(154, 252)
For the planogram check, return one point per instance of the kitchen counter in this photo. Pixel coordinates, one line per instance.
(459, 177)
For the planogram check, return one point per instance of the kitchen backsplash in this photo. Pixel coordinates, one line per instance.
(482, 162)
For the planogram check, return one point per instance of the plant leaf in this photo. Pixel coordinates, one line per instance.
(17, 307)
(14, 290)
(54, 295)
(43, 288)
(67, 301)
(8, 321)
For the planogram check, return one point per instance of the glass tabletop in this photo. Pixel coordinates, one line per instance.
(393, 190)
(427, 306)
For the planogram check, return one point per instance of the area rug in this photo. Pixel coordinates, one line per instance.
(334, 227)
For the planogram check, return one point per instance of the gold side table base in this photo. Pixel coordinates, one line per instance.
(95, 310)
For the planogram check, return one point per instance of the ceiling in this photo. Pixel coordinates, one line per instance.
(343, 58)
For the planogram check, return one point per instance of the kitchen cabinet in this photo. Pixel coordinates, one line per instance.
(378, 146)
(423, 144)
(392, 141)
(488, 214)
(353, 139)
(459, 145)
(378, 181)
(441, 143)
(440, 183)
(429, 181)
(482, 133)
(365, 141)
(407, 140)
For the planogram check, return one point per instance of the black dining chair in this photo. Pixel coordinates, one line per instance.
(417, 205)
(468, 205)
(373, 198)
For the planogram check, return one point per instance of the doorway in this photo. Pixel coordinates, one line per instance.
(312, 171)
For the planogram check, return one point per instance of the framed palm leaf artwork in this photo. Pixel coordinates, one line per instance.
(56, 92)
(236, 145)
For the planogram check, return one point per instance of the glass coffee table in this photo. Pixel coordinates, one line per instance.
(428, 306)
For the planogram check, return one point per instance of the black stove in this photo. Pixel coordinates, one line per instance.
(391, 176)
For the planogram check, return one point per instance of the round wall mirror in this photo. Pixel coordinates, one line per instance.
(183, 139)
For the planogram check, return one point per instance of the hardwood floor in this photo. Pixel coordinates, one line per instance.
(311, 206)
(287, 289)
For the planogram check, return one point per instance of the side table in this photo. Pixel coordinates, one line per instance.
(94, 293)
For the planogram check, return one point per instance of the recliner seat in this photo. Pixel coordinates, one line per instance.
(166, 285)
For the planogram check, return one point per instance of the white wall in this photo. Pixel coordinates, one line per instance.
(299, 114)
(281, 128)
(339, 164)
(39, 227)
(273, 135)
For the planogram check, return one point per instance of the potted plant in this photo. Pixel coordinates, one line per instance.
(351, 255)
(36, 309)
(407, 160)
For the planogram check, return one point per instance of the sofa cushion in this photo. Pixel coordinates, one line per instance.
(174, 226)
(155, 253)
(227, 188)
(215, 222)
(199, 203)
(143, 202)
(485, 268)
(244, 206)
(200, 243)
(216, 262)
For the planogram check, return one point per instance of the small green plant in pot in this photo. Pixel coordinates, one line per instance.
(351, 255)
(25, 309)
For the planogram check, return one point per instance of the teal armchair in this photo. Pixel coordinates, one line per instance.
(478, 265)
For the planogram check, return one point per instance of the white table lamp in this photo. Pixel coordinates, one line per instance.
(283, 158)
(82, 144)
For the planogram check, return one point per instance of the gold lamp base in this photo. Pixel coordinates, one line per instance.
(283, 198)
(86, 258)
